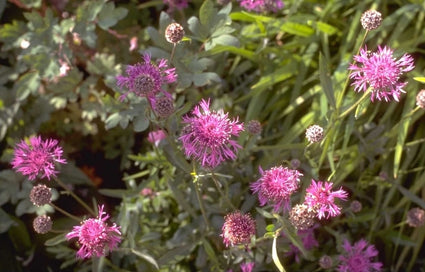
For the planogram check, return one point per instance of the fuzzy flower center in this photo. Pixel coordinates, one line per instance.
(39, 158)
(212, 133)
(144, 84)
(383, 74)
(357, 262)
(92, 233)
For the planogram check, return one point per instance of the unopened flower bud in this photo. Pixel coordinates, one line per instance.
(314, 134)
(164, 106)
(42, 224)
(356, 206)
(41, 195)
(371, 19)
(174, 33)
(420, 99)
(238, 228)
(416, 217)
(253, 127)
(325, 262)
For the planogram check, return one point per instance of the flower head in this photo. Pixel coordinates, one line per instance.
(319, 196)
(416, 217)
(356, 206)
(156, 136)
(37, 158)
(357, 258)
(163, 106)
(276, 185)
(207, 135)
(262, 5)
(146, 79)
(42, 224)
(302, 216)
(314, 133)
(238, 228)
(381, 72)
(174, 33)
(95, 236)
(247, 267)
(41, 195)
(420, 99)
(253, 127)
(326, 262)
(371, 19)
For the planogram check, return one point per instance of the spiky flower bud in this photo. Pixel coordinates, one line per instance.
(42, 224)
(238, 228)
(174, 33)
(371, 19)
(302, 216)
(420, 99)
(416, 217)
(325, 262)
(356, 206)
(41, 195)
(314, 134)
(253, 127)
(163, 106)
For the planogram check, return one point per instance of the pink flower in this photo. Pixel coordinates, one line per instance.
(262, 5)
(309, 242)
(95, 236)
(155, 137)
(37, 158)
(381, 72)
(357, 258)
(247, 267)
(146, 79)
(320, 197)
(238, 228)
(207, 135)
(277, 185)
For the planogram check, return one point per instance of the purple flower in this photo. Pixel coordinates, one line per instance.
(262, 5)
(357, 258)
(320, 197)
(381, 72)
(277, 185)
(155, 137)
(238, 228)
(207, 135)
(95, 236)
(176, 4)
(37, 158)
(247, 267)
(146, 79)
(309, 242)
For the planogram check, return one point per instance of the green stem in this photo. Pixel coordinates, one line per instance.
(201, 206)
(350, 109)
(172, 52)
(65, 212)
(79, 200)
(217, 184)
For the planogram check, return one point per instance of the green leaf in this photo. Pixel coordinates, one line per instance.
(55, 240)
(206, 13)
(5, 221)
(297, 29)
(146, 257)
(112, 120)
(11, 34)
(326, 28)
(26, 85)
(109, 15)
(325, 80)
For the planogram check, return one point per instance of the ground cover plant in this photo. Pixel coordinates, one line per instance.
(246, 135)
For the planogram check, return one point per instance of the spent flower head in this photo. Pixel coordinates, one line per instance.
(358, 258)
(302, 216)
(326, 262)
(238, 228)
(276, 185)
(41, 195)
(319, 196)
(314, 133)
(95, 236)
(42, 224)
(174, 33)
(207, 136)
(420, 99)
(37, 158)
(253, 127)
(146, 79)
(371, 19)
(262, 5)
(416, 217)
(163, 106)
(380, 72)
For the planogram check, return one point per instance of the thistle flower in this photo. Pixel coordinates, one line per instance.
(302, 216)
(420, 99)
(207, 135)
(37, 158)
(253, 127)
(155, 137)
(381, 72)
(174, 33)
(95, 236)
(320, 197)
(357, 258)
(314, 133)
(371, 19)
(42, 224)
(163, 106)
(277, 185)
(416, 217)
(146, 79)
(247, 267)
(41, 195)
(262, 5)
(238, 228)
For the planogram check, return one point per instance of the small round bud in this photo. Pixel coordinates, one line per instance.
(238, 228)
(163, 106)
(325, 262)
(356, 206)
(174, 33)
(253, 127)
(302, 216)
(144, 84)
(42, 224)
(371, 19)
(41, 195)
(295, 163)
(314, 134)
(420, 99)
(416, 217)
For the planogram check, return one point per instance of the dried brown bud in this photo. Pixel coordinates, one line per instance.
(371, 19)
(41, 195)
(420, 99)
(416, 217)
(314, 134)
(254, 127)
(42, 224)
(164, 106)
(302, 216)
(174, 33)
(325, 262)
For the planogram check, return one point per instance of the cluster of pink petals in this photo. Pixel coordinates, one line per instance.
(95, 236)
(247, 267)
(357, 258)
(319, 196)
(158, 73)
(238, 228)
(276, 185)
(262, 5)
(37, 158)
(207, 135)
(156, 136)
(381, 72)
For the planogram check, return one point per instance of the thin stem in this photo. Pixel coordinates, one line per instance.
(201, 206)
(217, 184)
(172, 52)
(79, 200)
(65, 212)
(350, 109)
